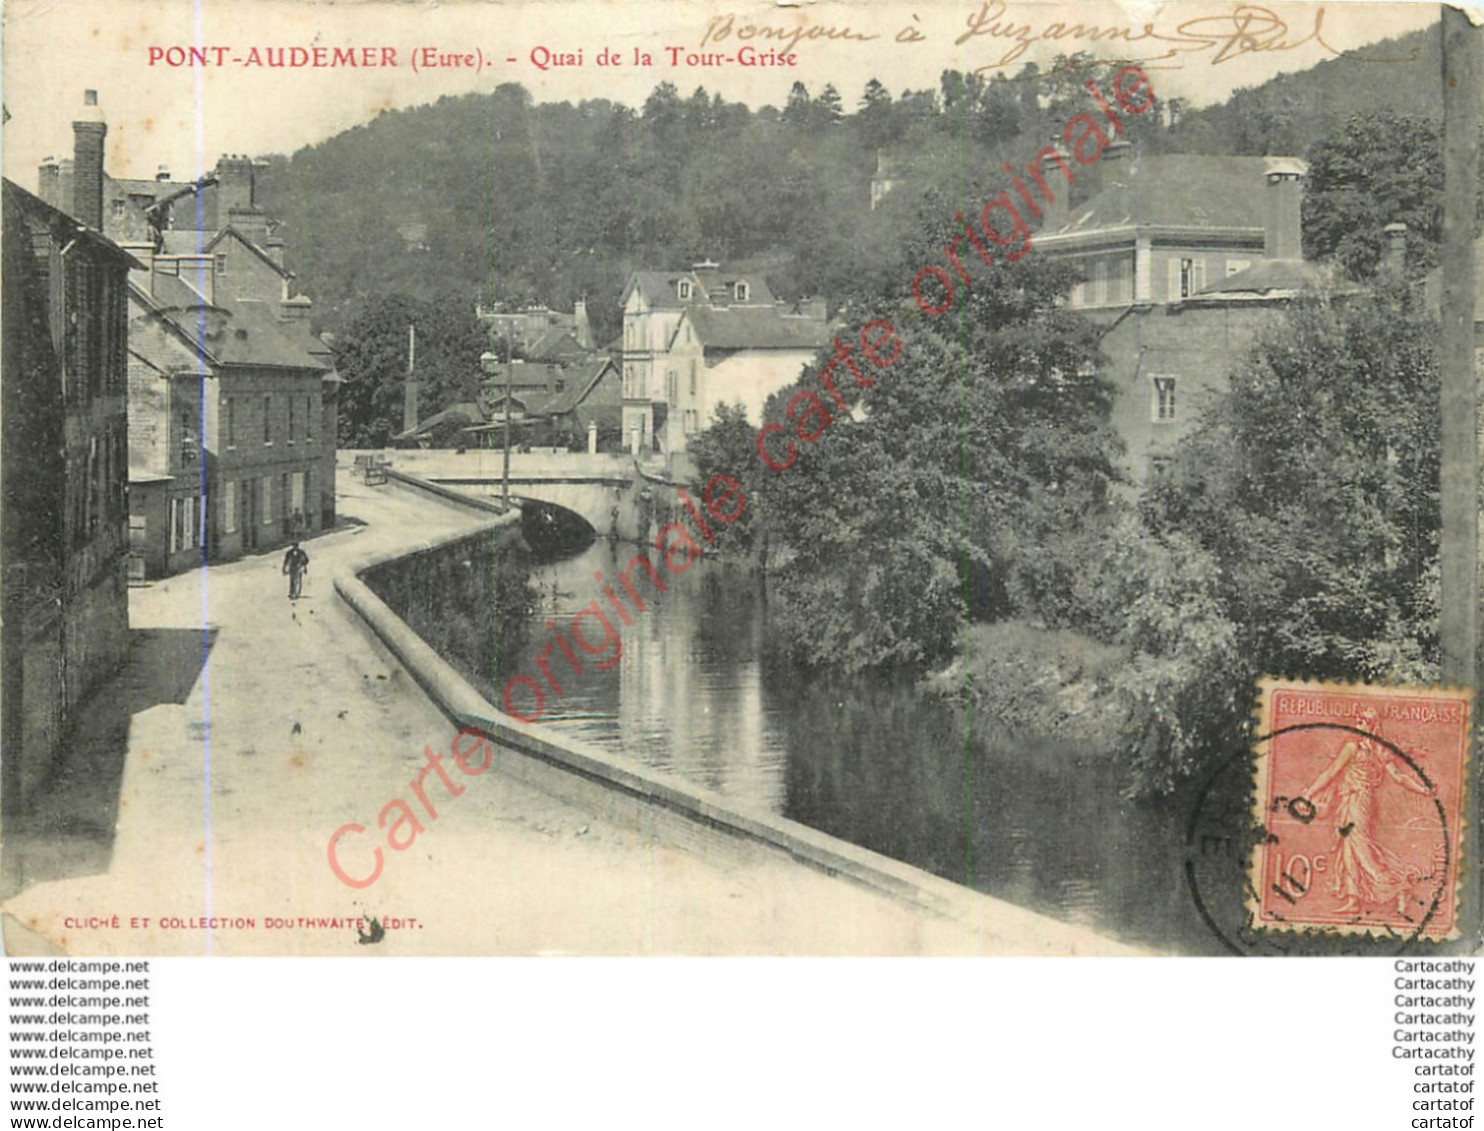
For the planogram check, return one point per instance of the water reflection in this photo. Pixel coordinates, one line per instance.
(697, 691)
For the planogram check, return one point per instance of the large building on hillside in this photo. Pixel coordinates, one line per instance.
(231, 399)
(1186, 257)
(703, 337)
(64, 449)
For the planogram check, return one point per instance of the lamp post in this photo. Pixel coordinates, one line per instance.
(488, 361)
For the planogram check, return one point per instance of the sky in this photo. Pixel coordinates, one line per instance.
(184, 116)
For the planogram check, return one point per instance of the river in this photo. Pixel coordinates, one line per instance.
(698, 688)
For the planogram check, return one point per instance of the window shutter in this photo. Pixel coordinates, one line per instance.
(1200, 276)
(1172, 291)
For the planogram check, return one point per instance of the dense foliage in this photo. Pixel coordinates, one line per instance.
(492, 194)
(961, 485)
(1379, 169)
(1314, 485)
(371, 356)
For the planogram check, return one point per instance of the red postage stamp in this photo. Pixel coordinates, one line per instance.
(1360, 807)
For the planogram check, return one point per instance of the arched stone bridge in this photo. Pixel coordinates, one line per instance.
(591, 485)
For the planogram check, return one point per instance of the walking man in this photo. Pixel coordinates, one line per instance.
(296, 565)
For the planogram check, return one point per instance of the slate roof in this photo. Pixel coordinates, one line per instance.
(580, 382)
(1180, 190)
(249, 333)
(661, 289)
(1269, 277)
(746, 327)
(464, 413)
(189, 242)
(40, 212)
(556, 344)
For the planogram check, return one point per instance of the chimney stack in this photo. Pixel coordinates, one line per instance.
(234, 188)
(49, 182)
(1113, 166)
(88, 133)
(1054, 163)
(1285, 197)
(584, 328)
(1394, 256)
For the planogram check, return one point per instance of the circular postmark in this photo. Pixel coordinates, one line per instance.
(1250, 889)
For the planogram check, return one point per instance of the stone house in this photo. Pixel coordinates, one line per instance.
(64, 447)
(1186, 257)
(232, 401)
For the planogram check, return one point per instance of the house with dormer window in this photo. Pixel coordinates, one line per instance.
(702, 337)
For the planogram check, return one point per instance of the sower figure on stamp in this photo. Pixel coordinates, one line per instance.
(296, 565)
(1366, 872)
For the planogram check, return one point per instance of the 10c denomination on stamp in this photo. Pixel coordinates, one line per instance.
(1360, 809)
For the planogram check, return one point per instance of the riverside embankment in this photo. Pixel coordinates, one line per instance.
(244, 730)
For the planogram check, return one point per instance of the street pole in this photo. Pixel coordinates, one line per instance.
(509, 382)
(1459, 537)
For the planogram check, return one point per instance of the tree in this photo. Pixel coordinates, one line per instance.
(728, 447)
(828, 108)
(951, 492)
(877, 119)
(371, 359)
(799, 110)
(1381, 169)
(1314, 483)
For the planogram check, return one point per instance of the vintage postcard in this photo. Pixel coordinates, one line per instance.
(579, 477)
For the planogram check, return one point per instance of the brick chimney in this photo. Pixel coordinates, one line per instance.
(1394, 256)
(234, 183)
(1113, 166)
(88, 132)
(1056, 211)
(49, 182)
(1284, 199)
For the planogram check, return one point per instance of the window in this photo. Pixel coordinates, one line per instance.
(684, 290)
(183, 524)
(1164, 399)
(291, 417)
(231, 422)
(189, 445)
(1079, 294)
(265, 515)
(1099, 283)
(742, 291)
(117, 208)
(692, 376)
(221, 263)
(227, 519)
(296, 492)
(1187, 277)
(672, 386)
(1235, 265)
(309, 417)
(268, 420)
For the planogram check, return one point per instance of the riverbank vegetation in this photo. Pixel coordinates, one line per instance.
(967, 521)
